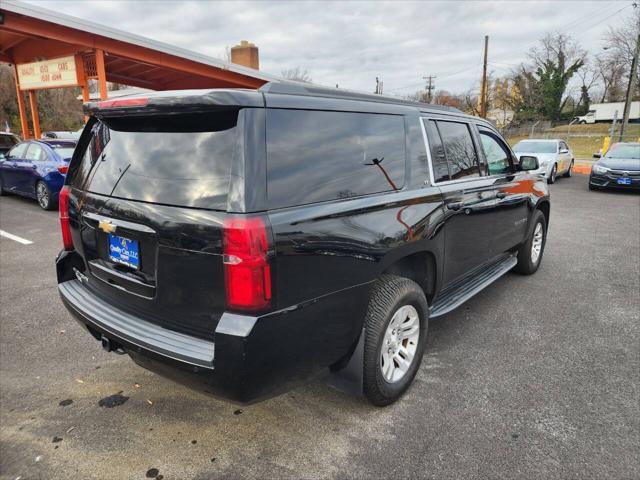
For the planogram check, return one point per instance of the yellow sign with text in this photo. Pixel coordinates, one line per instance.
(57, 72)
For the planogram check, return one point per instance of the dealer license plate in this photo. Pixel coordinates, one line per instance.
(124, 251)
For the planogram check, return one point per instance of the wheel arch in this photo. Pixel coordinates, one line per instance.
(545, 207)
(419, 266)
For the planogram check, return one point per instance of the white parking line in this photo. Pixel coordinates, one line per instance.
(15, 238)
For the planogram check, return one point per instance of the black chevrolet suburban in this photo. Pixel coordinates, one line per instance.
(238, 241)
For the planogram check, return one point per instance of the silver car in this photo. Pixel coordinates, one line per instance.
(555, 156)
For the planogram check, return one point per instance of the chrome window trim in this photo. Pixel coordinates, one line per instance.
(428, 147)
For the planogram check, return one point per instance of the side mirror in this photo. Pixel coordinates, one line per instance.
(597, 155)
(528, 163)
(564, 150)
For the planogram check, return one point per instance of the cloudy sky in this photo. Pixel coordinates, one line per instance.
(350, 43)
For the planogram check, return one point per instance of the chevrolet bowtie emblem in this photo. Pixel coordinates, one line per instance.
(106, 226)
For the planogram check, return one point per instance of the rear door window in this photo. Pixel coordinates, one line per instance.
(453, 154)
(458, 146)
(314, 156)
(182, 160)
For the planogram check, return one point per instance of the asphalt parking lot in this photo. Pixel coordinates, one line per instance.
(536, 377)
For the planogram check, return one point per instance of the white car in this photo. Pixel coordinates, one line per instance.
(555, 156)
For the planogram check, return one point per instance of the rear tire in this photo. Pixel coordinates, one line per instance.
(43, 196)
(530, 252)
(553, 174)
(391, 360)
(569, 172)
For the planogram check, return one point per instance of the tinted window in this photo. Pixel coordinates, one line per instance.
(175, 160)
(496, 153)
(314, 156)
(18, 151)
(35, 152)
(438, 158)
(459, 149)
(7, 141)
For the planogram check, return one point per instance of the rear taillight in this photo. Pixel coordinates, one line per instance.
(63, 204)
(246, 264)
(63, 169)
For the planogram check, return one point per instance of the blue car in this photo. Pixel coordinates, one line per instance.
(36, 169)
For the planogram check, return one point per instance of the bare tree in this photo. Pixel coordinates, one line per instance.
(619, 46)
(298, 74)
(611, 71)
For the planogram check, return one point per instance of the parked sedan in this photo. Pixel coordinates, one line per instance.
(36, 169)
(555, 156)
(618, 168)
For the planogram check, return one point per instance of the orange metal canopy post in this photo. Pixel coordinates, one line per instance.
(33, 105)
(21, 107)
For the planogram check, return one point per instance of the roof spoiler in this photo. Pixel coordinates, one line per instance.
(176, 102)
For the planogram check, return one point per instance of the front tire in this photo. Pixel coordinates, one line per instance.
(43, 195)
(553, 174)
(395, 337)
(530, 252)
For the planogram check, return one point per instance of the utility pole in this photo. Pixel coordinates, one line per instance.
(485, 87)
(630, 88)
(430, 86)
(377, 92)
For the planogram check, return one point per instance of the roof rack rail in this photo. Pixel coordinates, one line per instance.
(299, 88)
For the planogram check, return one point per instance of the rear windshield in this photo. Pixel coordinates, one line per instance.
(64, 151)
(535, 147)
(182, 160)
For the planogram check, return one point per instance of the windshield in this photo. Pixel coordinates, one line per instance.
(535, 147)
(624, 150)
(64, 152)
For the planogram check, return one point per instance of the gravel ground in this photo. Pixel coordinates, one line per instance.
(536, 377)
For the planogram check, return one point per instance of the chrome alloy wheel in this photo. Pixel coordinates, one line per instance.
(536, 244)
(43, 195)
(400, 343)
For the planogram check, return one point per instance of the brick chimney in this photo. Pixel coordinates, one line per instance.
(245, 54)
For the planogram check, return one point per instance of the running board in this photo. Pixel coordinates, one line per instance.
(462, 290)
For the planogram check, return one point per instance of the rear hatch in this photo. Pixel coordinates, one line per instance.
(152, 193)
